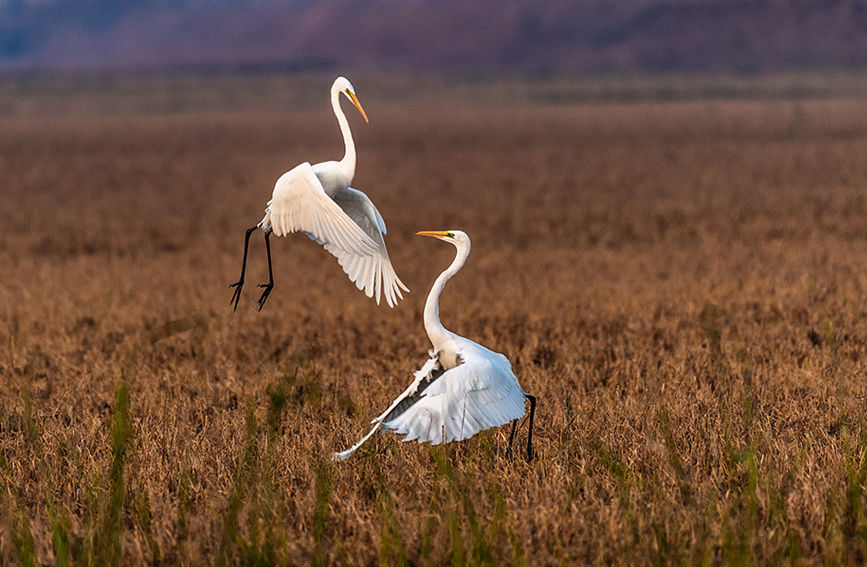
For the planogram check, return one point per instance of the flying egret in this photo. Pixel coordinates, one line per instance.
(317, 200)
(462, 389)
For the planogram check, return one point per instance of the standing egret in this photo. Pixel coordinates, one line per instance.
(462, 389)
(317, 200)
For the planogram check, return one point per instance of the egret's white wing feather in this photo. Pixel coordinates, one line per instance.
(476, 395)
(450, 405)
(425, 372)
(343, 455)
(300, 203)
(376, 275)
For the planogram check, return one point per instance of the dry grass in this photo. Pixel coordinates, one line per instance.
(682, 285)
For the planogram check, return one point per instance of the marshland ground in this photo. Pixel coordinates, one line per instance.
(674, 266)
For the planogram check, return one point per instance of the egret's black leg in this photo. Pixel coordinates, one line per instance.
(511, 438)
(270, 285)
(530, 431)
(236, 295)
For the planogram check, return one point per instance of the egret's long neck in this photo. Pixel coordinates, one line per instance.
(348, 161)
(435, 330)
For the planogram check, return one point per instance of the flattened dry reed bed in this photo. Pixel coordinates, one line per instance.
(681, 285)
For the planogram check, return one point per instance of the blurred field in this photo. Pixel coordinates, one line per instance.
(681, 284)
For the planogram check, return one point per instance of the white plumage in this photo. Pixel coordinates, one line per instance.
(317, 200)
(346, 224)
(479, 394)
(300, 203)
(462, 389)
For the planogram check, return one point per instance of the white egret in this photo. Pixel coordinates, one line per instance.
(462, 389)
(317, 200)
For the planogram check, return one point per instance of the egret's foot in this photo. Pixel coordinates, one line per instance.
(236, 295)
(264, 297)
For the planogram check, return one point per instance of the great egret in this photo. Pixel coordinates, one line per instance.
(462, 389)
(317, 200)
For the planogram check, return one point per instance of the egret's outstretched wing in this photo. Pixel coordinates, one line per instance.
(476, 395)
(300, 203)
(423, 377)
(372, 274)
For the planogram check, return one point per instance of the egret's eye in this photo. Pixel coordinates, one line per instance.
(450, 234)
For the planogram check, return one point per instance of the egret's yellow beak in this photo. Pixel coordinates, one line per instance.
(357, 104)
(434, 233)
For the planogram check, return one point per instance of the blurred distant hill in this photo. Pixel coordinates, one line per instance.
(432, 35)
